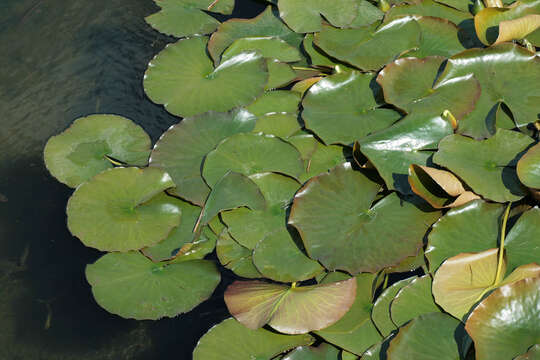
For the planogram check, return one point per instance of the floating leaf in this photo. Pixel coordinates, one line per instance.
(322, 352)
(233, 190)
(123, 209)
(202, 244)
(523, 241)
(182, 148)
(251, 154)
(362, 47)
(333, 215)
(301, 87)
(235, 82)
(367, 14)
(409, 141)
(487, 166)
(278, 124)
(519, 28)
(279, 74)
(290, 310)
(473, 227)
(235, 257)
(306, 16)
(412, 301)
(528, 167)
(341, 108)
(268, 47)
(428, 8)
(506, 323)
(185, 17)
(381, 308)
(277, 101)
(264, 25)
(81, 151)
(132, 286)
(515, 84)
(232, 340)
(317, 56)
(427, 337)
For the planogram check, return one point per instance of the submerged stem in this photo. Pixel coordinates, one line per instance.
(501, 247)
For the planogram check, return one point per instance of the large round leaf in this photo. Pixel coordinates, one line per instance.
(185, 17)
(528, 167)
(304, 16)
(81, 151)
(236, 257)
(412, 301)
(473, 227)
(333, 215)
(290, 310)
(268, 47)
(123, 209)
(515, 69)
(232, 340)
(132, 286)
(235, 82)
(182, 148)
(427, 337)
(487, 166)
(322, 352)
(342, 108)
(523, 241)
(410, 141)
(506, 324)
(250, 154)
(362, 47)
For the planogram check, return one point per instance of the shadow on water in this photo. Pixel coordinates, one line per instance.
(62, 60)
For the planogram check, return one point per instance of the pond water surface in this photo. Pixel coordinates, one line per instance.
(59, 60)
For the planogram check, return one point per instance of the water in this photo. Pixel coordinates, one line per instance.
(59, 60)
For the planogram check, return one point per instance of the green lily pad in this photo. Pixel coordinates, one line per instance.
(290, 310)
(413, 300)
(277, 101)
(505, 324)
(522, 243)
(321, 352)
(306, 16)
(185, 17)
(428, 8)
(235, 82)
(279, 74)
(532, 354)
(251, 154)
(268, 47)
(528, 167)
(487, 166)
(232, 340)
(408, 84)
(202, 244)
(427, 337)
(264, 25)
(381, 308)
(362, 47)
(345, 355)
(378, 351)
(367, 14)
(333, 215)
(79, 153)
(392, 156)
(302, 86)
(249, 227)
(182, 148)
(128, 204)
(342, 108)
(233, 190)
(515, 84)
(132, 286)
(278, 124)
(317, 56)
(324, 158)
(235, 257)
(473, 227)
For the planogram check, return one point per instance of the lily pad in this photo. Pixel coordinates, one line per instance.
(428, 8)
(185, 17)
(250, 154)
(232, 340)
(182, 148)
(305, 16)
(413, 300)
(473, 227)
(427, 337)
(321, 352)
(278, 124)
(487, 166)
(279, 74)
(265, 24)
(367, 14)
(515, 85)
(316, 55)
(324, 158)
(506, 323)
(81, 151)
(132, 286)
(342, 108)
(523, 241)
(392, 155)
(277, 101)
(290, 310)
(528, 167)
(333, 215)
(235, 257)
(235, 82)
(268, 47)
(362, 47)
(128, 204)
(302, 86)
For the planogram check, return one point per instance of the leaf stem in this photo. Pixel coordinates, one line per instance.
(303, 68)
(501, 246)
(212, 5)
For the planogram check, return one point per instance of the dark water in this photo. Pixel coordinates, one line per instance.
(59, 60)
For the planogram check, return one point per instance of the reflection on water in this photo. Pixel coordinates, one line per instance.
(59, 60)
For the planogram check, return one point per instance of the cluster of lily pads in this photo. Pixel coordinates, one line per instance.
(324, 146)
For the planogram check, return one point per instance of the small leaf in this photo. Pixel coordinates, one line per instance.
(523, 241)
(269, 47)
(413, 300)
(304, 16)
(528, 167)
(235, 257)
(322, 352)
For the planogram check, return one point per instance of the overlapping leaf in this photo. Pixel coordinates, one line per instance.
(528, 167)
(304, 16)
(235, 257)
(413, 300)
